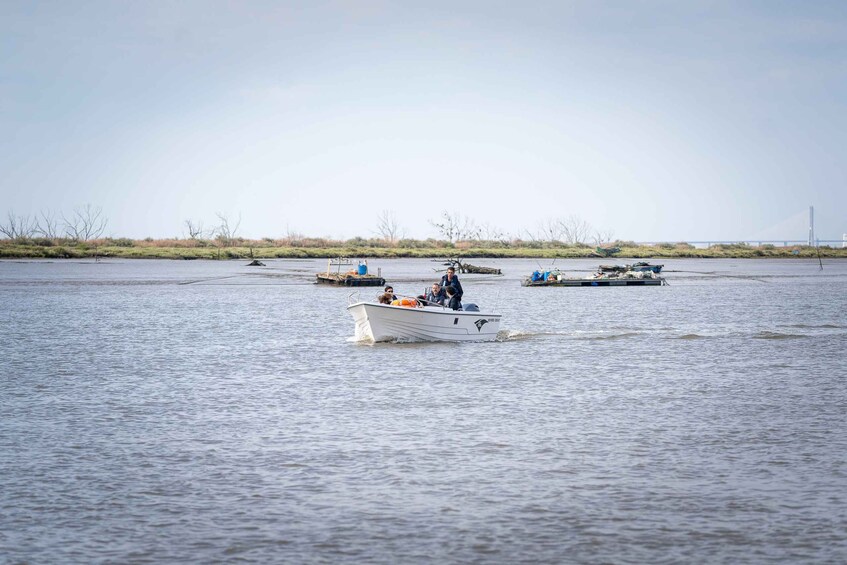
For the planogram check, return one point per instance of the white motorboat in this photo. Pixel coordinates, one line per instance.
(383, 322)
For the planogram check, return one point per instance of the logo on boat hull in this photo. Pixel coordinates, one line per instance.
(479, 324)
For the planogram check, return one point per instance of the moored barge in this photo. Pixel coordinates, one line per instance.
(353, 277)
(598, 281)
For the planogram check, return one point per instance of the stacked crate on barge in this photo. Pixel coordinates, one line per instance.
(629, 278)
(354, 277)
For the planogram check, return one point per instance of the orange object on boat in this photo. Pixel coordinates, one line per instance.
(407, 302)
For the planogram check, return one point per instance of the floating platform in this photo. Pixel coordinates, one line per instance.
(597, 282)
(349, 279)
(357, 277)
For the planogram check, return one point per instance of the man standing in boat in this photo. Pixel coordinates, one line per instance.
(450, 279)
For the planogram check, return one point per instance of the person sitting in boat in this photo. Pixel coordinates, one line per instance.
(454, 300)
(384, 298)
(390, 291)
(450, 279)
(435, 295)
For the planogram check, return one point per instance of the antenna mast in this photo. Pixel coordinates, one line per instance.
(811, 226)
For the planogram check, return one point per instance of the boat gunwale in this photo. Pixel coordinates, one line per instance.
(426, 310)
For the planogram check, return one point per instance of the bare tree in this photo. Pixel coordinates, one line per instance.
(468, 230)
(445, 226)
(17, 227)
(575, 229)
(601, 237)
(195, 229)
(550, 230)
(455, 227)
(86, 223)
(388, 227)
(487, 232)
(292, 234)
(47, 224)
(530, 236)
(227, 231)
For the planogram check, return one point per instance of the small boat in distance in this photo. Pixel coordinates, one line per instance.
(607, 251)
(384, 322)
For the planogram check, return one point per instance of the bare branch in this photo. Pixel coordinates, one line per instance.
(388, 227)
(455, 227)
(195, 229)
(575, 229)
(47, 225)
(227, 231)
(18, 227)
(530, 236)
(445, 226)
(292, 235)
(86, 223)
(601, 237)
(488, 232)
(550, 230)
(468, 229)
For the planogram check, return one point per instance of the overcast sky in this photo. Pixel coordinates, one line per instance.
(657, 121)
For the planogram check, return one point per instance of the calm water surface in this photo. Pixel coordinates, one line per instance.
(165, 411)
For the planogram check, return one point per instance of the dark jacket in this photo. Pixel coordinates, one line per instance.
(455, 303)
(439, 298)
(454, 283)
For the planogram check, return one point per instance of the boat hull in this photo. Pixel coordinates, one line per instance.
(381, 322)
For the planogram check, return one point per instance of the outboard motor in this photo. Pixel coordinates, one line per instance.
(470, 307)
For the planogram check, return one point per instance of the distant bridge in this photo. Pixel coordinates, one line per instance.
(758, 242)
(798, 223)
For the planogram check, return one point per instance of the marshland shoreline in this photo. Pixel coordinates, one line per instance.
(183, 249)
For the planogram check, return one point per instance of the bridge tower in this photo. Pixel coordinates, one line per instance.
(811, 226)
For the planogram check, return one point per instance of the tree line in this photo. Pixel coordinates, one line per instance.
(453, 227)
(85, 223)
(88, 223)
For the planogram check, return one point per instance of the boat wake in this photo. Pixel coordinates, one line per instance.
(520, 335)
(516, 335)
(694, 336)
(815, 326)
(360, 340)
(606, 337)
(763, 334)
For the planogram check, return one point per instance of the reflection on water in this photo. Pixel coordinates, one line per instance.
(203, 411)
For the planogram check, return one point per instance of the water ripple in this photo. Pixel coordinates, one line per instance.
(145, 420)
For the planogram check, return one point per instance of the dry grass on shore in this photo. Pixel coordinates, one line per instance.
(358, 247)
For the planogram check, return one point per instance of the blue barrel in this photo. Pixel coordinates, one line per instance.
(363, 269)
